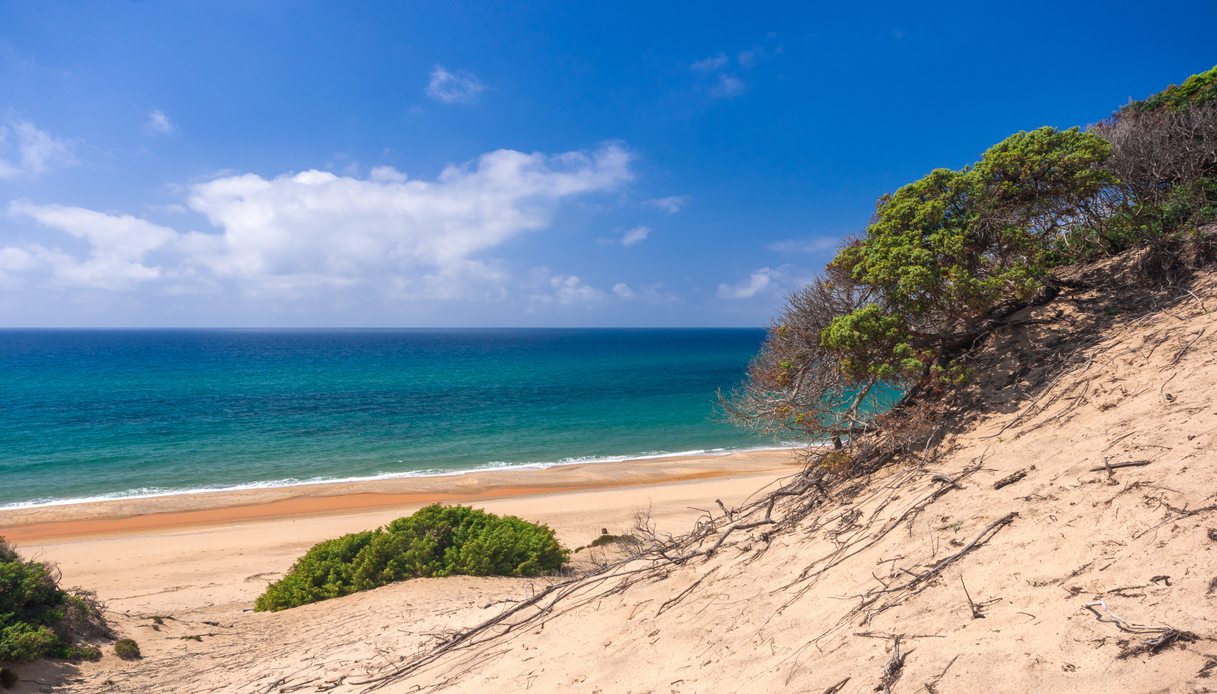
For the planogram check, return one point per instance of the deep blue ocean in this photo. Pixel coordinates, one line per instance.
(112, 413)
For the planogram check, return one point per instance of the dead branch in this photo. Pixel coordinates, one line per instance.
(1181, 352)
(838, 686)
(1159, 637)
(932, 685)
(894, 667)
(976, 611)
(1117, 466)
(1010, 479)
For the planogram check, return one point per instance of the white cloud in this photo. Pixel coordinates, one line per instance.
(561, 289)
(26, 150)
(725, 72)
(467, 279)
(457, 87)
(728, 87)
(117, 246)
(649, 293)
(714, 62)
(158, 123)
(629, 237)
(317, 225)
(14, 262)
(569, 289)
(763, 281)
(670, 204)
(635, 236)
(306, 233)
(386, 174)
(812, 245)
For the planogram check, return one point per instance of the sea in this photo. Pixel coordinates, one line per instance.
(89, 415)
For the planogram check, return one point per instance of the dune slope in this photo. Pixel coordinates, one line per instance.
(1008, 558)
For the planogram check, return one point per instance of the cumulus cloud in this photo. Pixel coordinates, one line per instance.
(26, 150)
(569, 289)
(321, 227)
(760, 282)
(117, 246)
(304, 233)
(561, 289)
(158, 123)
(813, 245)
(454, 87)
(670, 204)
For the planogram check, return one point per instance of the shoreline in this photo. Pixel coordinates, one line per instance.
(66, 521)
(383, 477)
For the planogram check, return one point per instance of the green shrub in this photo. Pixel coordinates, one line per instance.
(23, 641)
(37, 618)
(127, 649)
(435, 541)
(86, 651)
(1197, 89)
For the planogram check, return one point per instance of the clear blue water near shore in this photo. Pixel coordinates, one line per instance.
(121, 413)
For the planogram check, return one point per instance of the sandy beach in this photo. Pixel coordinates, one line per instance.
(178, 553)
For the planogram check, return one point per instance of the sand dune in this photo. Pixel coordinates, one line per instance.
(1060, 578)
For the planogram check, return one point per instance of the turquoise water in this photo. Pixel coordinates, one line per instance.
(88, 414)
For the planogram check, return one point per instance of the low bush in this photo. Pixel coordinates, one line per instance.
(37, 618)
(127, 649)
(435, 541)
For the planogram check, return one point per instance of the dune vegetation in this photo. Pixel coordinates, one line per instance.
(40, 619)
(950, 258)
(434, 541)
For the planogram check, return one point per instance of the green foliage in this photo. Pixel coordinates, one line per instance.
(77, 652)
(435, 541)
(944, 250)
(325, 571)
(21, 641)
(911, 250)
(37, 618)
(871, 343)
(1034, 185)
(127, 649)
(1197, 89)
(949, 257)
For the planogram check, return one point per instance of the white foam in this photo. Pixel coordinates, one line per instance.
(153, 492)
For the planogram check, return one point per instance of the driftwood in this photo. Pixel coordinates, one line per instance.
(1117, 466)
(894, 667)
(1159, 637)
(1010, 479)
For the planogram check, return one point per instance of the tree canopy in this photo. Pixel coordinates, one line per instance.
(946, 257)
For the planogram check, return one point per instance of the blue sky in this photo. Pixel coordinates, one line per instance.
(496, 164)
